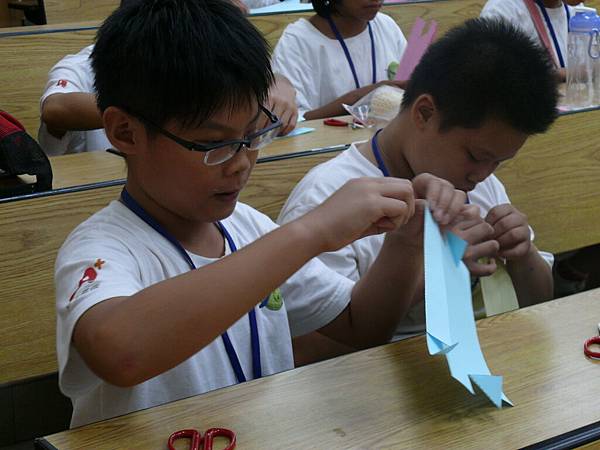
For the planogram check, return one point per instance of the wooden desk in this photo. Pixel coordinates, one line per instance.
(100, 166)
(396, 396)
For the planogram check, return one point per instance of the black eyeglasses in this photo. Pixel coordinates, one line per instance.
(219, 152)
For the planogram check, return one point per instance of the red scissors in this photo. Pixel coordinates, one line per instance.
(336, 123)
(199, 442)
(591, 341)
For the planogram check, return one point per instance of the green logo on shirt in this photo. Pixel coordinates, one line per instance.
(275, 300)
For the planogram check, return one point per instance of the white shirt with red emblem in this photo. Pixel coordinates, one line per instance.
(116, 254)
(73, 73)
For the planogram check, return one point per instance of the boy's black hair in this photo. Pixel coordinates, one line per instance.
(126, 3)
(487, 69)
(180, 60)
(324, 8)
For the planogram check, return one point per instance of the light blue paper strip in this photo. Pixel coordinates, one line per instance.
(449, 313)
(297, 132)
(284, 6)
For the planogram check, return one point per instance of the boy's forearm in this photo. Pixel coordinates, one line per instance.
(75, 111)
(382, 297)
(532, 278)
(141, 336)
(335, 108)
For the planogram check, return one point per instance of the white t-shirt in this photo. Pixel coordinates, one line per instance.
(132, 256)
(73, 73)
(515, 12)
(317, 66)
(354, 260)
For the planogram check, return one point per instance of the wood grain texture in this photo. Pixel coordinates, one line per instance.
(396, 396)
(555, 180)
(22, 85)
(66, 11)
(32, 231)
(25, 62)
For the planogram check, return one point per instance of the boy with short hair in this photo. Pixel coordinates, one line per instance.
(470, 104)
(177, 288)
(72, 123)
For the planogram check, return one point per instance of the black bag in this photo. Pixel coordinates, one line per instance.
(20, 154)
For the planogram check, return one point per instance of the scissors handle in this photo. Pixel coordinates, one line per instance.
(212, 433)
(586, 347)
(193, 435)
(335, 123)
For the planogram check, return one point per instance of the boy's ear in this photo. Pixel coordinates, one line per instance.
(423, 111)
(125, 133)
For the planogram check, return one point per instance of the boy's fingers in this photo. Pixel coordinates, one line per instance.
(456, 205)
(394, 210)
(444, 201)
(399, 189)
(497, 213)
(513, 237)
(481, 250)
(469, 211)
(477, 233)
(516, 251)
(508, 223)
(480, 269)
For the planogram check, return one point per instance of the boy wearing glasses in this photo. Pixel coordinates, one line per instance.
(175, 288)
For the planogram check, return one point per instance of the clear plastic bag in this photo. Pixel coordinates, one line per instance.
(378, 107)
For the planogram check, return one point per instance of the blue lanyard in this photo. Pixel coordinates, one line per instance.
(136, 208)
(551, 28)
(347, 52)
(377, 155)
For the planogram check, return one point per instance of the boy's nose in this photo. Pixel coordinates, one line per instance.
(240, 162)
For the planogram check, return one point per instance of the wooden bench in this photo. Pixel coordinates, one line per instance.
(31, 54)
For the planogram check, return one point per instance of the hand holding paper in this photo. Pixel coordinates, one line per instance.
(449, 313)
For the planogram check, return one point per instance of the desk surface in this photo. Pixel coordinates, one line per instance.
(95, 167)
(397, 396)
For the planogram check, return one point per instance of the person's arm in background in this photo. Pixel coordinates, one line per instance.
(282, 103)
(71, 111)
(335, 107)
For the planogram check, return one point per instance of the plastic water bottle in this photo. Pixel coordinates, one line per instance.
(582, 53)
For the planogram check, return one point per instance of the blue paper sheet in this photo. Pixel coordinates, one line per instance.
(297, 132)
(449, 313)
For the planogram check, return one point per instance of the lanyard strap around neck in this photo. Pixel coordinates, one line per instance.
(137, 209)
(347, 52)
(550, 26)
(377, 155)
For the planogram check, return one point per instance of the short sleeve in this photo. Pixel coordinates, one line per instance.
(314, 296)
(73, 73)
(87, 272)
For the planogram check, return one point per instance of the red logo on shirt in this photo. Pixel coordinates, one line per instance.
(89, 275)
(62, 83)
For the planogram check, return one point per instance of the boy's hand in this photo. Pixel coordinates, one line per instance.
(479, 236)
(360, 208)
(445, 202)
(282, 103)
(511, 230)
